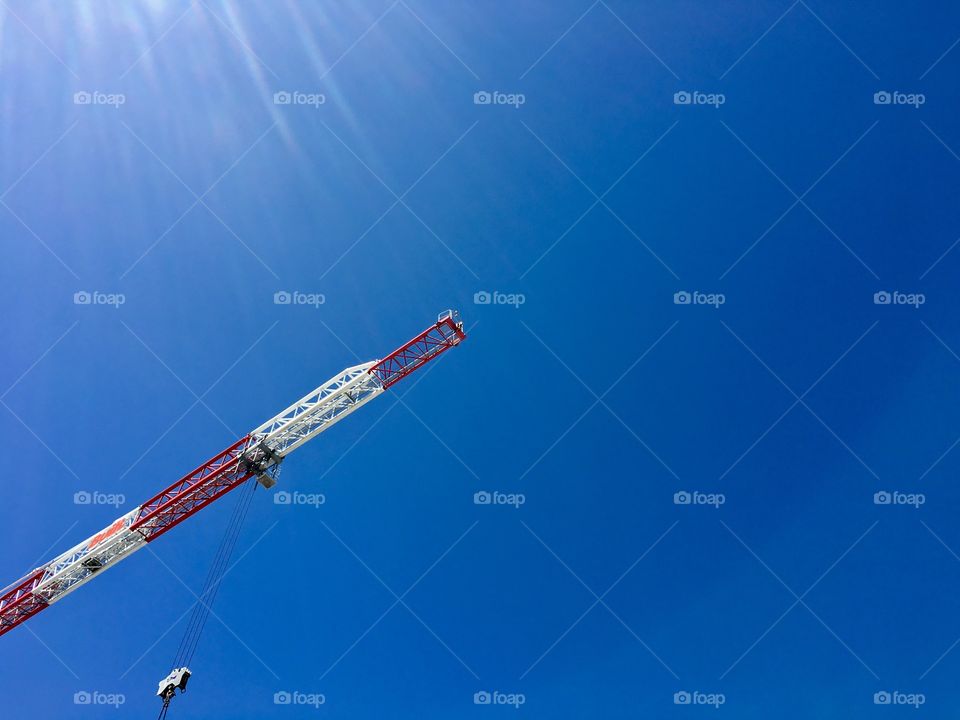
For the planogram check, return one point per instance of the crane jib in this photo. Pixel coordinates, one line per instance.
(257, 454)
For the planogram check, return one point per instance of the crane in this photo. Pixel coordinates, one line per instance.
(257, 454)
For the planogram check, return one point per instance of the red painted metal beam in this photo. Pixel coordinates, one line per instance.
(193, 492)
(19, 603)
(168, 508)
(223, 472)
(416, 353)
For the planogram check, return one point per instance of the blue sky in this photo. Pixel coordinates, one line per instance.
(587, 197)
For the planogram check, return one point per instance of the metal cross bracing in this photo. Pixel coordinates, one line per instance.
(311, 415)
(257, 454)
(447, 332)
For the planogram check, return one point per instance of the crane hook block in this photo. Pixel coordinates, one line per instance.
(176, 679)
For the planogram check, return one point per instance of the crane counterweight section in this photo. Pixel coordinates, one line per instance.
(257, 454)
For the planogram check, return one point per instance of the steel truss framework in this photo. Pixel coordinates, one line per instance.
(257, 454)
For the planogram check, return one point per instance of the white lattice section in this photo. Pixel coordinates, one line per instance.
(318, 410)
(94, 555)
